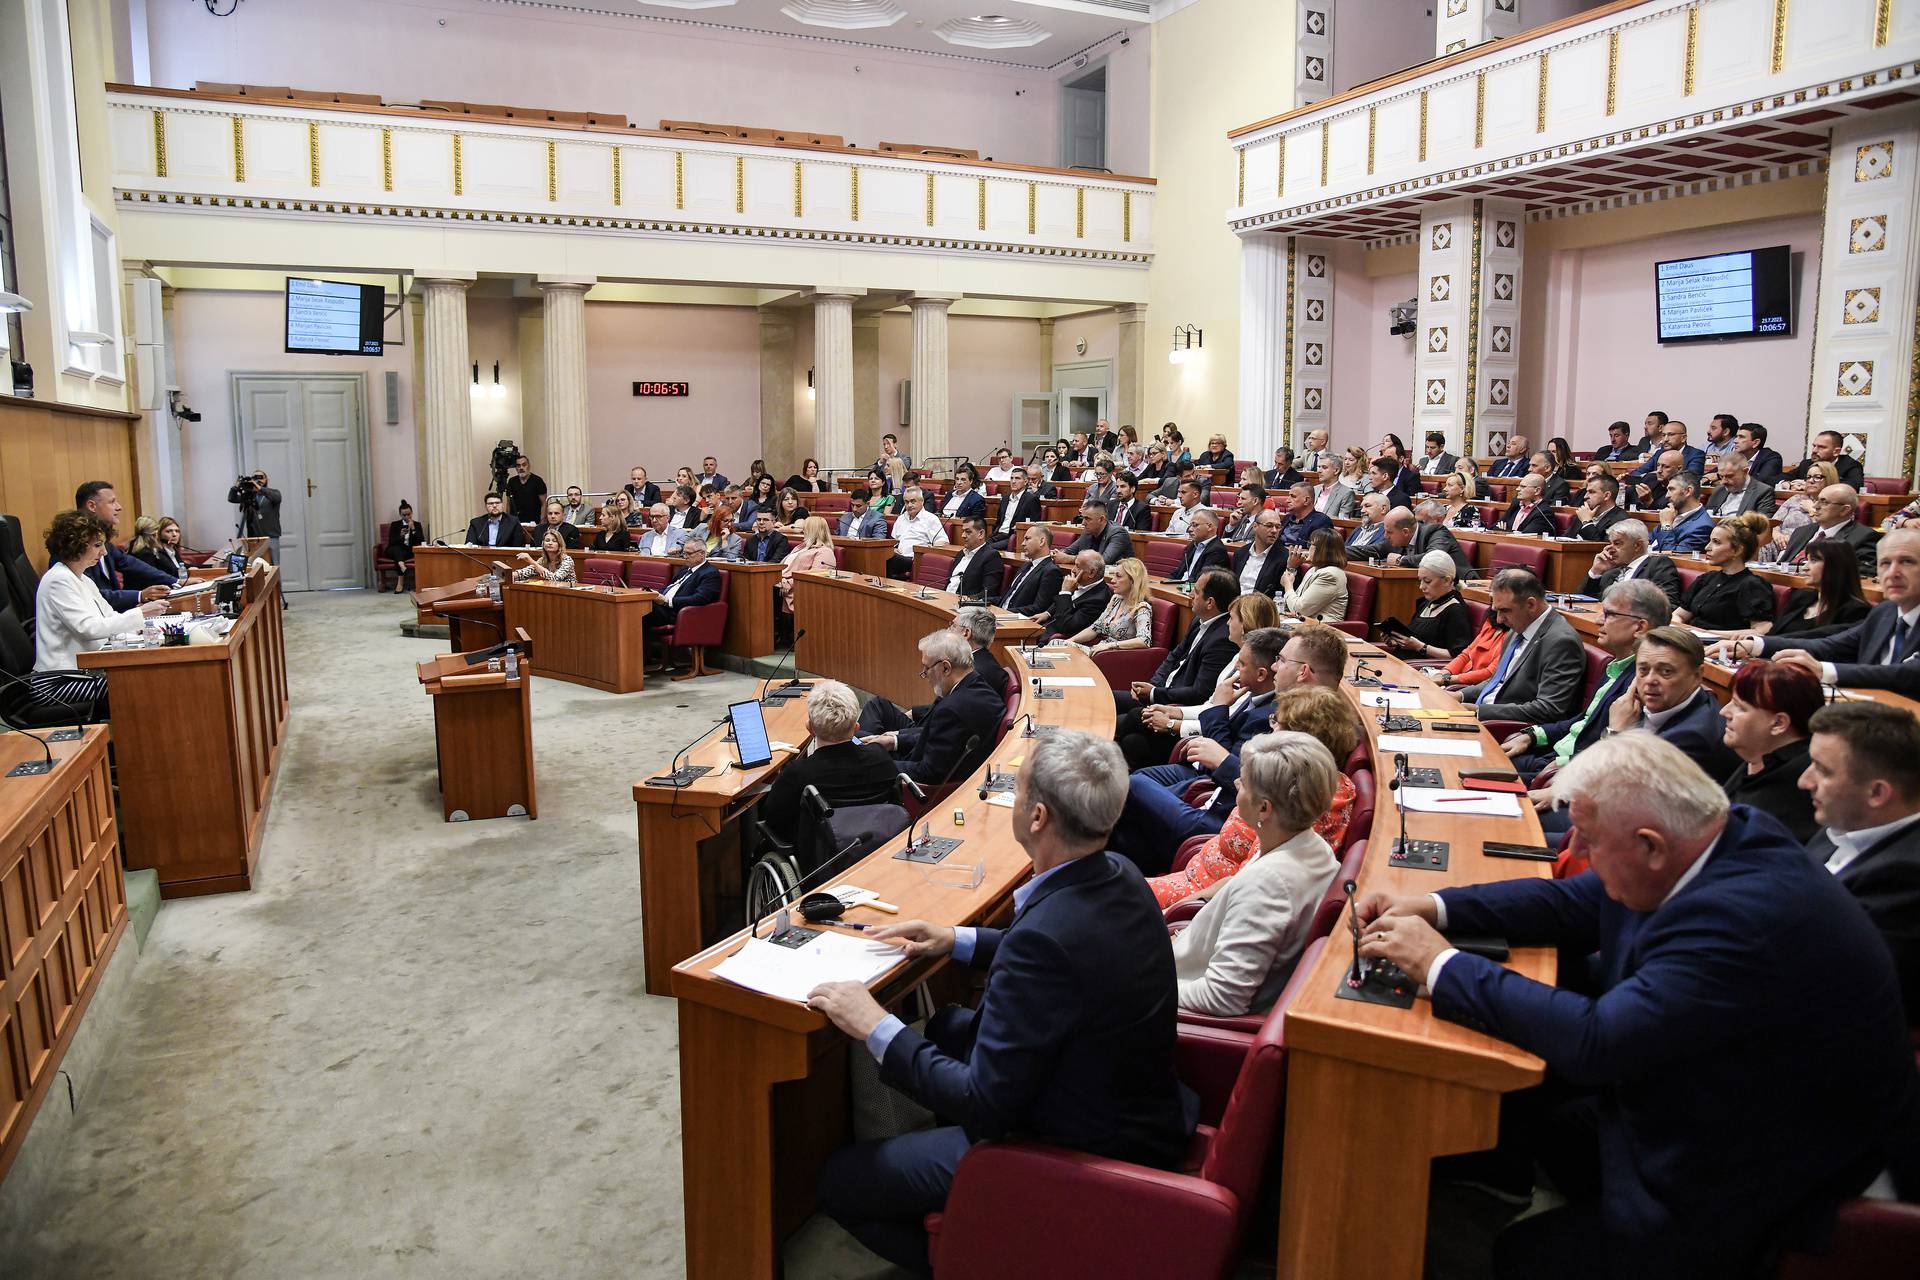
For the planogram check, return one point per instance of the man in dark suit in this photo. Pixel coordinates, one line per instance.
(1156, 819)
(1553, 485)
(1879, 651)
(963, 499)
(1528, 512)
(1620, 446)
(976, 574)
(1127, 510)
(1543, 664)
(1514, 463)
(125, 581)
(497, 528)
(1437, 461)
(1257, 566)
(1669, 699)
(1863, 771)
(1282, 476)
(843, 771)
(1628, 611)
(1300, 522)
(964, 710)
(1737, 1065)
(1406, 539)
(643, 491)
(556, 519)
(1649, 493)
(1237, 525)
(766, 544)
(858, 521)
(1083, 598)
(1190, 670)
(697, 583)
(1750, 442)
(1097, 533)
(1827, 447)
(1600, 511)
(1627, 557)
(972, 624)
(1018, 505)
(1073, 1040)
(1738, 492)
(1036, 582)
(1833, 517)
(1384, 472)
(1205, 551)
(1673, 439)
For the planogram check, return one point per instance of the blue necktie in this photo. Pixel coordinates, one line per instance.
(1900, 631)
(1500, 672)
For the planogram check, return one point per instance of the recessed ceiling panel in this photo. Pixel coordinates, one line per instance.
(844, 15)
(992, 31)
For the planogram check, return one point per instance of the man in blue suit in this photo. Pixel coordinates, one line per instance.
(125, 581)
(1073, 1041)
(1692, 522)
(1882, 650)
(857, 521)
(1673, 436)
(1743, 1064)
(698, 583)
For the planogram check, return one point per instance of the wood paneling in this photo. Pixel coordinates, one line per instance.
(588, 635)
(483, 736)
(48, 450)
(63, 907)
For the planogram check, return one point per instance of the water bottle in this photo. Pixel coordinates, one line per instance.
(513, 664)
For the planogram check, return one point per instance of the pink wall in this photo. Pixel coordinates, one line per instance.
(216, 333)
(1372, 386)
(492, 335)
(1101, 329)
(477, 52)
(1588, 354)
(716, 349)
(1373, 38)
(990, 360)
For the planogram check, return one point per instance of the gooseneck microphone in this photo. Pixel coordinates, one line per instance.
(1357, 975)
(791, 684)
(926, 823)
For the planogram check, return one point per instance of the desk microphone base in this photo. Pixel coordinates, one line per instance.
(1419, 855)
(31, 769)
(932, 850)
(1381, 982)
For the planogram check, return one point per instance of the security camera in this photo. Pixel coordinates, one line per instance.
(188, 415)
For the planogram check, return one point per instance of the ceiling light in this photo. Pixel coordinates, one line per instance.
(844, 15)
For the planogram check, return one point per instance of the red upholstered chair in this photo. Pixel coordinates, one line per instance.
(1361, 757)
(825, 504)
(1563, 521)
(1063, 535)
(1327, 915)
(1687, 577)
(932, 569)
(1240, 468)
(651, 574)
(1871, 1238)
(1596, 671)
(1189, 1222)
(1163, 557)
(1188, 850)
(383, 564)
(1477, 614)
(696, 627)
(1781, 591)
(1012, 712)
(1122, 667)
(599, 571)
(1360, 593)
(1518, 556)
(1862, 514)
(1885, 484)
(1360, 821)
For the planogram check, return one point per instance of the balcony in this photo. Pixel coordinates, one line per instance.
(232, 154)
(1636, 97)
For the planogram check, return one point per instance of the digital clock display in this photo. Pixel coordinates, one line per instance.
(660, 388)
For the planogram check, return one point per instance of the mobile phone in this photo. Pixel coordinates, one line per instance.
(1449, 727)
(1523, 852)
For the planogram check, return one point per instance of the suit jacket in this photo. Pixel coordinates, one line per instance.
(1885, 879)
(871, 525)
(1270, 569)
(985, 666)
(1296, 533)
(972, 504)
(569, 534)
(666, 543)
(1596, 726)
(1858, 654)
(1765, 465)
(1624, 453)
(511, 534)
(1233, 730)
(1436, 537)
(401, 538)
(1073, 1040)
(1114, 544)
(1439, 466)
(1277, 481)
(170, 563)
(700, 585)
(1699, 731)
(1336, 501)
(1026, 510)
(1137, 515)
(1360, 538)
(1507, 468)
(1758, 496)
(1544, 681)
(981, 578)
(1750, 1014)
(1864, 541)
(1688, 533)
(1556, 491)
(1070, 616)
(971, 709)
(121, 578)
(1189, 672)
(1655, 568)
(1199, 558)
(1034, 586)
(1595, 530)
(1401, 495)
(775, 551)
(1692, 458)
(1539, 520)
(1212, 462)
(1851, 472)
(844, 773)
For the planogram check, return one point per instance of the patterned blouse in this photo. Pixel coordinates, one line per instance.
(539, 571)
(1226, 853)
(1121, 623)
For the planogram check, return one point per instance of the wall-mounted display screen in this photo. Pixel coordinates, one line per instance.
(332, 318)
(1744, 294)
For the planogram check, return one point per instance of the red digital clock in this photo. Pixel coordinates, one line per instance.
(660, 388)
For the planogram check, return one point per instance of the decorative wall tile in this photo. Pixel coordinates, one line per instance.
(1862, 306)
(1440, 288)
(1501, 338)
(1314, 353)
(1455, 8)
(1499, 391)
(1437, 339)
(1868, 234)
(1316, 69)
(1856, 378)
(1316, 265)
(1873, 161)
(1436, 391)
(1455, 46)
(1503, 286)
(1316, 309)
(1504, 234)
(1313, 398)
(1441, 237)
(1316, 22)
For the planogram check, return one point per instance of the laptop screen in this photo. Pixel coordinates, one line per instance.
(749, 734)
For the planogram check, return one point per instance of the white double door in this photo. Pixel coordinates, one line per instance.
(308, 433)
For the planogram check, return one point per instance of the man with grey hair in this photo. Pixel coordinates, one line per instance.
(1370, 530)
(1742, 1066)
(1332, 497)
(976, 626)
(1083, 598)
(1737, 492)
(1543, 664)
(1627, 557)
(846, 772)
(915, 526)
(961, 722)
(1407, 539)
(1072, 1044)
(1204, 551)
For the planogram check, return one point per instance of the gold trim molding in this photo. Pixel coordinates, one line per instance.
(459, 175)
(386, 159)
(313, 153)
(239, 150)
(1692, 56)
(553, 174)
(159, 144)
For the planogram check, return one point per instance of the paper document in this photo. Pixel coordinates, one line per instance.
(1398, 699)
(790, 974)
(1444, 800)
(1433, 746)
(1067, 682)
(1002, 798)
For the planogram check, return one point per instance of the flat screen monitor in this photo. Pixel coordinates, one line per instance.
(1747, 293)
(333, 318)
(749, 734)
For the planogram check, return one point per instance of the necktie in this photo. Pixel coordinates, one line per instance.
(1500, 673)
(1900, 633)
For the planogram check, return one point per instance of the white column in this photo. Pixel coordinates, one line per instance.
(1864, 328)
(1466, 355)
(564, 311)
(1309, 391)
(1130, 375)
(1462, 24)
(833, 379)
(1263, 338)
(930, 438)
(446, 427)
(1046, 355)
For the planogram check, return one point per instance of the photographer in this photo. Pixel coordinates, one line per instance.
(259, 510)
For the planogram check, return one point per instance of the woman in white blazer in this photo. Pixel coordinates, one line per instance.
(72, 617)
(1315, 583)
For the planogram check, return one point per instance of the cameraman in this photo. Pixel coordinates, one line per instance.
(259, 510)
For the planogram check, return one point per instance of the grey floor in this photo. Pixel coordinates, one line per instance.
(413, 1049)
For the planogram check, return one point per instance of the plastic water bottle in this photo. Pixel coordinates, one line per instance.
(513, 664)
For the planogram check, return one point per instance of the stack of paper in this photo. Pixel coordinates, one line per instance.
(1429, 746)
(1446, 800)
(790, 973)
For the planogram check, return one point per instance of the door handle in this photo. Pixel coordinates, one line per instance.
(309, 488)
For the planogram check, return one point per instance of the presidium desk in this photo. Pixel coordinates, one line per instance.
(197, 731)
(1374, 1093)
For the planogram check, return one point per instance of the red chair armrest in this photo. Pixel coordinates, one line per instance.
(1504, 729)
(1151, 1222)
(702, 624)
(1244, 1024)
(1870, 1238)
(1122, 667)
(1358, 630)
(1186, 910)
(1208, 1061)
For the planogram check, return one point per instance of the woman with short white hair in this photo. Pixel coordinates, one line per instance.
(1440, 627)
(845, 772)
(1237, 954)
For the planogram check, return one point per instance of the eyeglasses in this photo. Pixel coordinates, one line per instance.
(926, 672)
(1608, 615)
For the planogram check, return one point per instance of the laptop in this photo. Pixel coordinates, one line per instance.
(749, 734)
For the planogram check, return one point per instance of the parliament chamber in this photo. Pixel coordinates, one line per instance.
(1290, 647)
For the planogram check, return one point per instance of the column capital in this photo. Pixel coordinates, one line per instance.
(583, 283)
(445, 277)
(1131, 313)
(847, 292)
(941, 300)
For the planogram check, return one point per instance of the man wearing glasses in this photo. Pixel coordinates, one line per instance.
(958, 730)
(259, 509)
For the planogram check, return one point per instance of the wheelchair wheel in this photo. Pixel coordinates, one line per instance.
(769, 880)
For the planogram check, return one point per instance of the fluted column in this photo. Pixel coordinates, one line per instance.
(1264, 359)
(833, 379)
(1046, 354)
(447, 425)
(564, 308)
(929, 404)
(1130, 377)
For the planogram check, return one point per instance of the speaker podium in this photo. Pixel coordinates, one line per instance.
(483, 736)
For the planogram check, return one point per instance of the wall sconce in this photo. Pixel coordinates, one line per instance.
(476, 377)
(1187, 339)
(496, 391)
(809, 382)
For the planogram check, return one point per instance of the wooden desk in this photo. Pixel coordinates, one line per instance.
(483, 737)
(863, 555)
(750, 590)
(1567, 562)
(690, 843)
(63, 908)
(762, 1081)
(1396, 591)
(445, 567)
(214, 714)
(1374, 1093)
(586, 635)
(867, 635)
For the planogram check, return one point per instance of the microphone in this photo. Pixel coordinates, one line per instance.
(1400, 781)
(45, 766)
(1365, 674)
(926, 824)
(1356, 976)
(1028, 717)
(793, 683)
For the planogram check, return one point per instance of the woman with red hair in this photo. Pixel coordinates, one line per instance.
(1766, 719)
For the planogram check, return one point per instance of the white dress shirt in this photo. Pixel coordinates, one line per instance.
(951, 506)
(1181, 518)
(1250, 574)
(923, 530)
(74, 618)
(1657, 720)
(1849, 845)
(960, 567)
(1909, 618)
